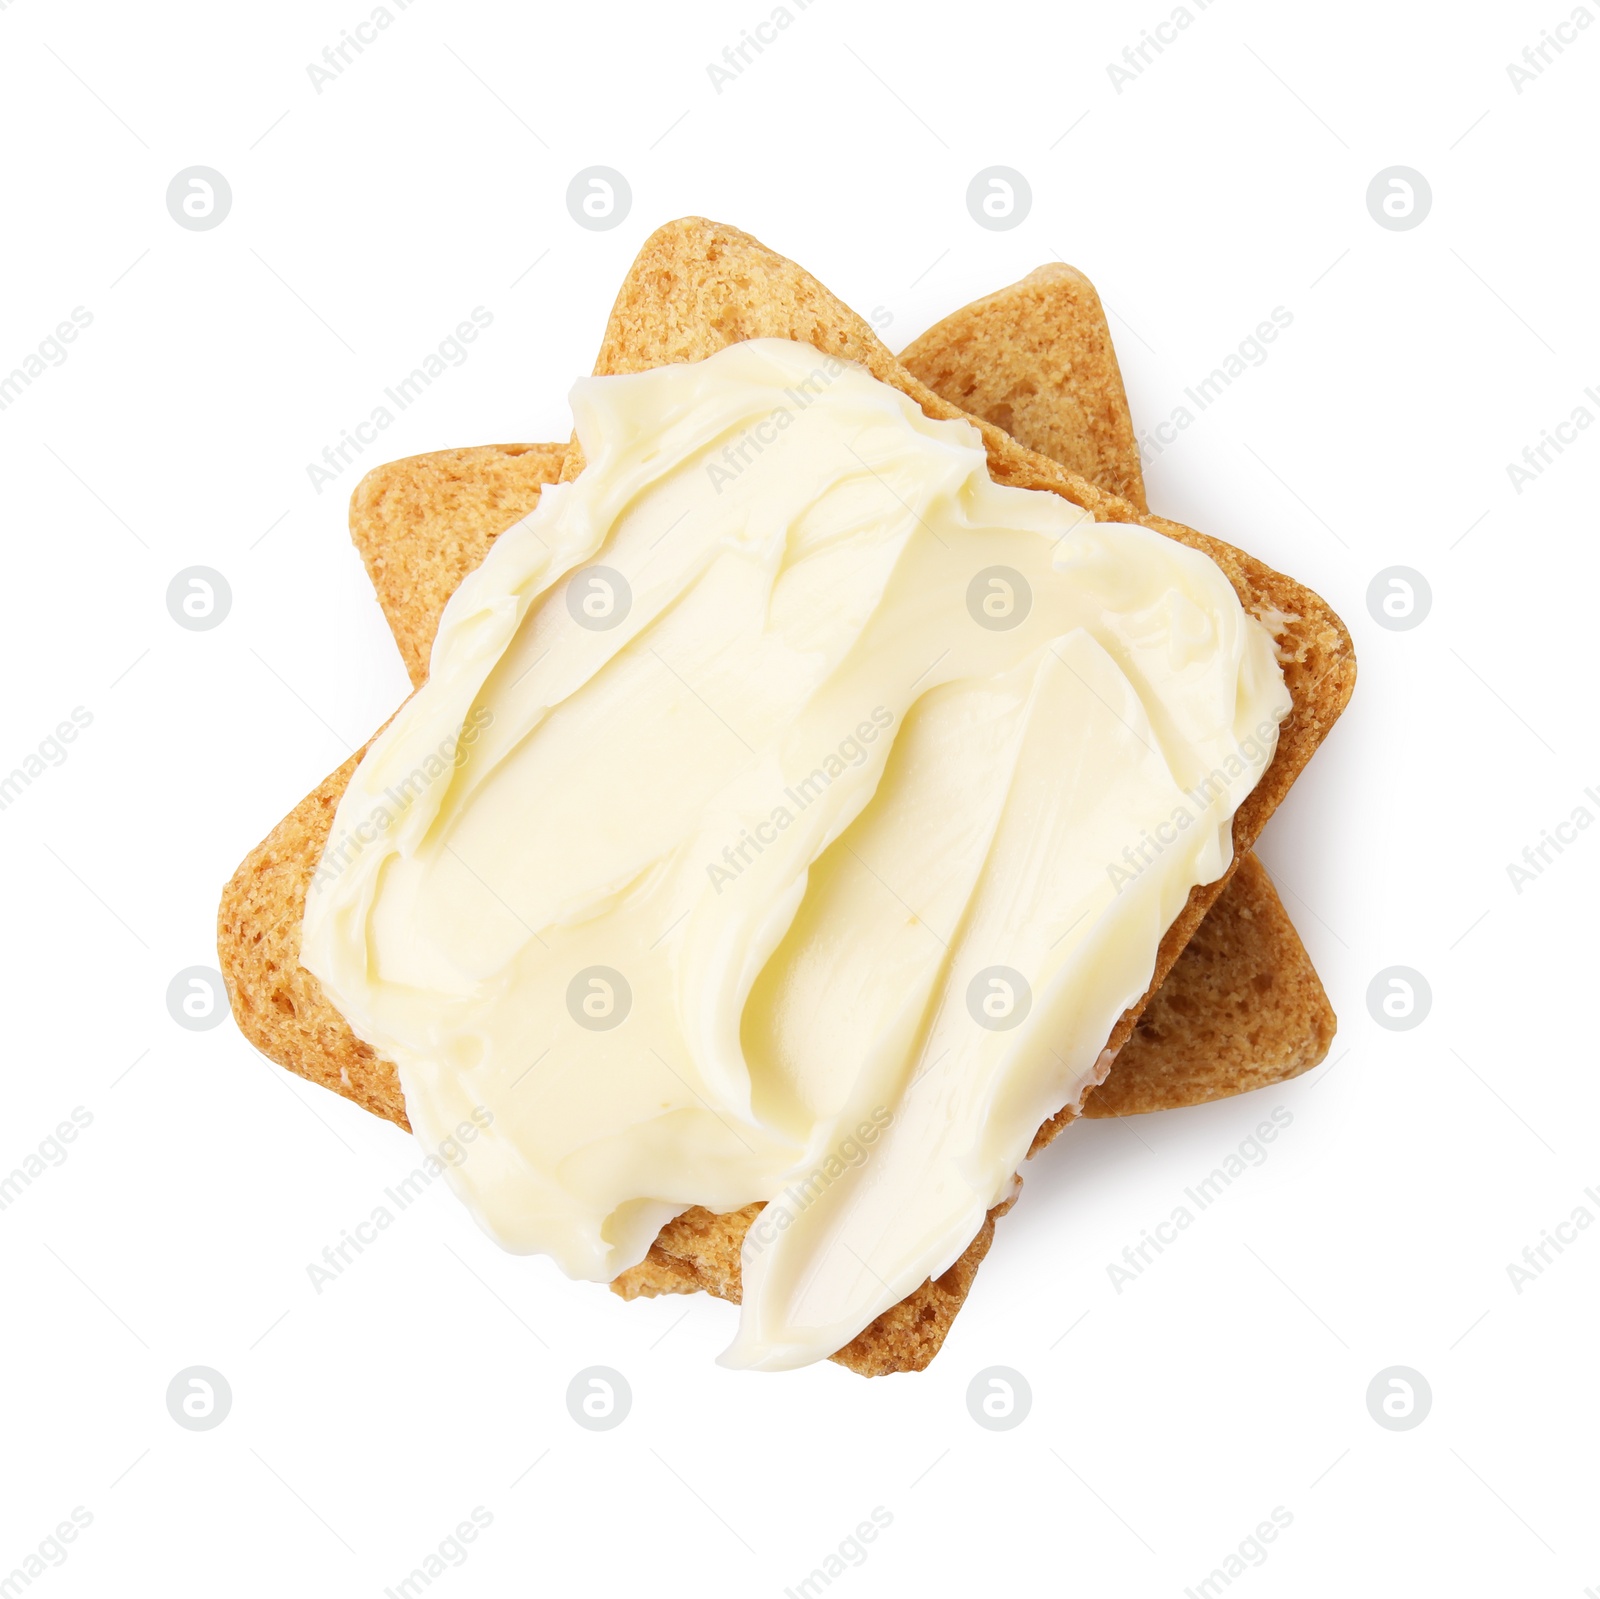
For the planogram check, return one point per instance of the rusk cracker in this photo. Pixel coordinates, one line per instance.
(695, 288)
(465, 499)
(1243, 1006)
(1036, 359)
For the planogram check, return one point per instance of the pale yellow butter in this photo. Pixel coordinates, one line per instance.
(789, 815)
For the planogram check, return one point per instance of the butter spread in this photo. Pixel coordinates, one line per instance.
(789, 815)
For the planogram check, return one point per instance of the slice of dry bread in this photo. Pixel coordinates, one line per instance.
(695, 288)
(1243, 1006)
(1036, 359)
(423, 523)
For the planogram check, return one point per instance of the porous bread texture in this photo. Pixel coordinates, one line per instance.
(695, 288)
(1036, 359)
(465, 499)
(278, 1005)
(698, 1252)
(1243, 1006)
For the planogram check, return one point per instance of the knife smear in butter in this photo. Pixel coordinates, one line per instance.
(790, 814)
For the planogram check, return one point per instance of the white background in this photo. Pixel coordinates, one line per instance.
(1229, 178)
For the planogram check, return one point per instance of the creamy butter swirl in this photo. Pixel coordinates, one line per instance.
(789, 815)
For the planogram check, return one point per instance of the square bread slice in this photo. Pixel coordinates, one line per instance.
(695, 288)
(1243, 1007)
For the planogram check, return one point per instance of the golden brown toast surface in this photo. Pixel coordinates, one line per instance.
(1243, 1006)
(695, 288)
(1036, 359)
(422, 523)
(465, 499)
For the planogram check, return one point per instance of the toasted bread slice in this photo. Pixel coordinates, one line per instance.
(1243, 1006)
(423, 523)
(695, 288)
(1036, 359)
